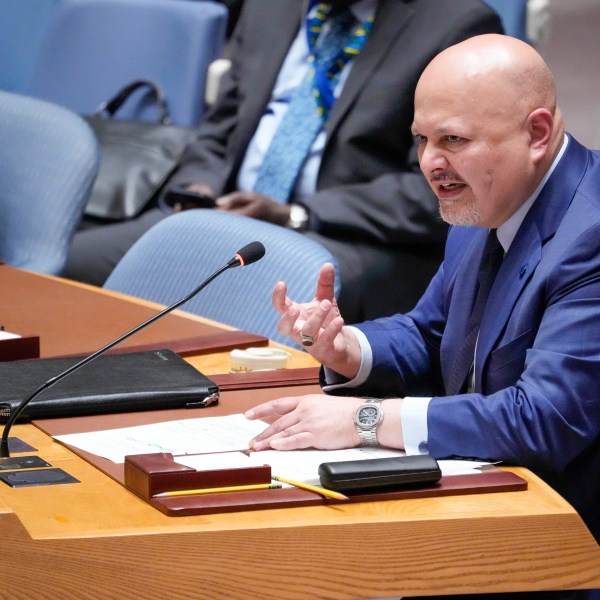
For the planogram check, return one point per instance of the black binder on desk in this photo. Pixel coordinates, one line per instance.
(130, 382)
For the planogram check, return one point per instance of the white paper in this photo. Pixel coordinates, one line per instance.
(187, 436)
(213, 462)
(203, 439)
(303, 465)
(7, 335)
(461, 467)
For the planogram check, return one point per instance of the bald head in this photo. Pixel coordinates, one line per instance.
(489, 127)
(485, 64)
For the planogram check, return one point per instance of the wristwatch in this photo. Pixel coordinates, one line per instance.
(298, 218)
(367, 418)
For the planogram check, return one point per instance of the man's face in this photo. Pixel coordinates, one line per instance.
(473, 153)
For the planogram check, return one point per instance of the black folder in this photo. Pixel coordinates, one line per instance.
(115, 383)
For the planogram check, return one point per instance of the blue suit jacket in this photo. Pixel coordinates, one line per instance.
(537, 400)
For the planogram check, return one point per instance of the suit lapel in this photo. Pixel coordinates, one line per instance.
(461, 302)
(517, 268)
(392, 16)
(278, 40)
(525, 253)
(277, 34)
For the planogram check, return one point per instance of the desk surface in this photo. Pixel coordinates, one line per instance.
(96, 539)
(75, 318)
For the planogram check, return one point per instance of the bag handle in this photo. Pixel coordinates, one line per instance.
(110, 107)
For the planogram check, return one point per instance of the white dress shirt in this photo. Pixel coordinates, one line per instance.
(291, 75)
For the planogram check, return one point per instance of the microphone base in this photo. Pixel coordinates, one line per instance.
(36, 477)
(13, 463)
(18, 446)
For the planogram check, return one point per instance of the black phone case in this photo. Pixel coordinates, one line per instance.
(189, 199)
(380, 474)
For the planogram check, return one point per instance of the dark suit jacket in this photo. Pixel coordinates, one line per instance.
(538, 354)
(372, 200)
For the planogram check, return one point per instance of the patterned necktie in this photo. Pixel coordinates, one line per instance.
(491, 260)
(310, 104)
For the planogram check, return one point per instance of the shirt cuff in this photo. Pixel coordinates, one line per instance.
(334, 380)
(413, 415)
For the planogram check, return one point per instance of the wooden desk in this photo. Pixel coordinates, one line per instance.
(95, 539)
(74, 318)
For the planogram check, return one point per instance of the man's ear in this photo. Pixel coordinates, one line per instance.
(540, 124)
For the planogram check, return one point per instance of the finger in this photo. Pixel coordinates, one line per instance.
(277, 408)
(329, 333)
(282, 427)
(290, 323)
(326, 283)
(313, 325)
(229, 201)
(280, 300)
(295, 441)
(200, 188)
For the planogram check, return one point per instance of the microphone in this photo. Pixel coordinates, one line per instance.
(249, 254)
(245, 256)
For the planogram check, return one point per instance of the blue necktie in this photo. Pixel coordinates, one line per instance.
(309, 106)
(491, 260)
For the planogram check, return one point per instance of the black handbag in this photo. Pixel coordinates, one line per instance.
(136, 157)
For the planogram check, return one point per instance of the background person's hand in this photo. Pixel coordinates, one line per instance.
(257, 206)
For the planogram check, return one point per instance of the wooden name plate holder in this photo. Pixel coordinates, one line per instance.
(150, 474)
(19, 348)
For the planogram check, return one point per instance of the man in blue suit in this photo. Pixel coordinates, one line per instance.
(525, 388)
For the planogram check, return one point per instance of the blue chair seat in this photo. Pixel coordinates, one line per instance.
(48, 160)
(174, 256)
(513, 14)
(93, 48)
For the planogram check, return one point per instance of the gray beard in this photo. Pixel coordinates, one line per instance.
(468, 218)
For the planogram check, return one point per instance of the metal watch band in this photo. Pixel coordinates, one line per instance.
(368, 437)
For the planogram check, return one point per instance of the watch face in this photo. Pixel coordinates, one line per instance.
(368, 416)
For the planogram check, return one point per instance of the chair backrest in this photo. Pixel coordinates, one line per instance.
(48, 161)
(23, 25)
(95, 47)
(513, 14)
(174, 256)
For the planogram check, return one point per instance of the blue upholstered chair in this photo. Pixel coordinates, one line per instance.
(23, 25)
(48, 161)
(513, 14)
(93, 48)
(178, 253)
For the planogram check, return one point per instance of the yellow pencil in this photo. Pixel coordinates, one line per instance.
(311, 488)
(220, 490)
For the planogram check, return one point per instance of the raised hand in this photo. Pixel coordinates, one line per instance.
(318, 325)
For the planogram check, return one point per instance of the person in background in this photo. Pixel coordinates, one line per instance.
(500, 359)
(234, 7)
(318, 140)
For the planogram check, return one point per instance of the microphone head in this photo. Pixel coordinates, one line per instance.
(247, 255)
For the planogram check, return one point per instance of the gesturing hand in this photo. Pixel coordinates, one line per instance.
(318, 325)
